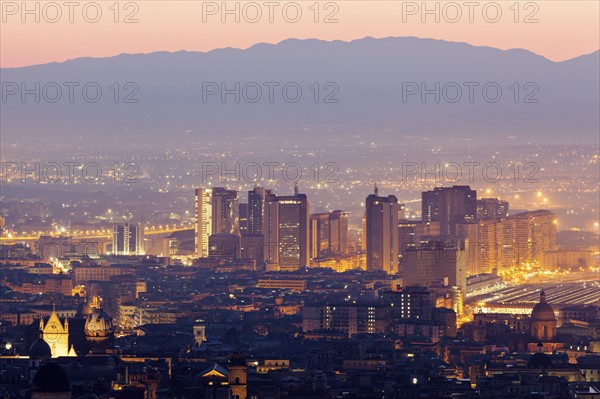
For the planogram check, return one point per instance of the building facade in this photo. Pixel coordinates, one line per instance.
(382, 233)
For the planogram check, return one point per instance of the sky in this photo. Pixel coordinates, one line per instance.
(38, 32)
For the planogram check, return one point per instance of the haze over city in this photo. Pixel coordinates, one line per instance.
(299, 199)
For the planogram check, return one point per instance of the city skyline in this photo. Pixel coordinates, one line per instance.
(312, 199)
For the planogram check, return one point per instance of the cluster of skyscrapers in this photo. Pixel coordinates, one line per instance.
(269, 228)
(458, 235)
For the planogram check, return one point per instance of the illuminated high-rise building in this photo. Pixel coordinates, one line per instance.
(382, 233)
(488, 208)
(217, 212)
(534, 235)
(435, 263)
(128, 239)
(256, 210)
(204, 213)
(225, 211)
(508, 243)
(449, 206)
(501, 243)
(491, 239)
(407, 236)
(412, 233)
(328, 234)
(243, 217)
(338, 232)
(363, 235)
(287, 230)
(319, 235)
(468, 235)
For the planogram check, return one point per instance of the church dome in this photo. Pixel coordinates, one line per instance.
(543, 311)
(84, 310)
(51, 378)
(40, 350)
(98, 325)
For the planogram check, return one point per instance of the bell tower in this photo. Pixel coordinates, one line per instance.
(238, 375)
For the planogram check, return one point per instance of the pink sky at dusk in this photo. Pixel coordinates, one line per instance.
(558, 30)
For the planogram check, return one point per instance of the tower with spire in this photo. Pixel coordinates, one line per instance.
(56, 334)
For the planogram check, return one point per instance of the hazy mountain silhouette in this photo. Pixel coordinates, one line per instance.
(368, 72)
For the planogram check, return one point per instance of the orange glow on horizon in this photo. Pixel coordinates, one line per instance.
(563, 30)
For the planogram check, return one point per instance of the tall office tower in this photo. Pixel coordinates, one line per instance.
(217, 212)
(338, 232)
(225, 211)
(363, 235)
(253, 238)
(319, 235)
(491, 239)
(412, 233)
(328, 234)
(287, 230)
(534, 235)
(407, 236)
(508, 243)
(243, 214)
(488, 208)
(434, 263)
(468, 236)
(128, 239)
(449, 206)
(382, 232)
(256, 210)
(204, 223)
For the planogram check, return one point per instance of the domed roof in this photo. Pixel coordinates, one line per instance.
(543, 311)
(84, 310)
(539, 360)
(40, 349)
(51, 378)
(98, 325)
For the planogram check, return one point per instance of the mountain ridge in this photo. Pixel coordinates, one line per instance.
(260, 44)
(369, 80)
